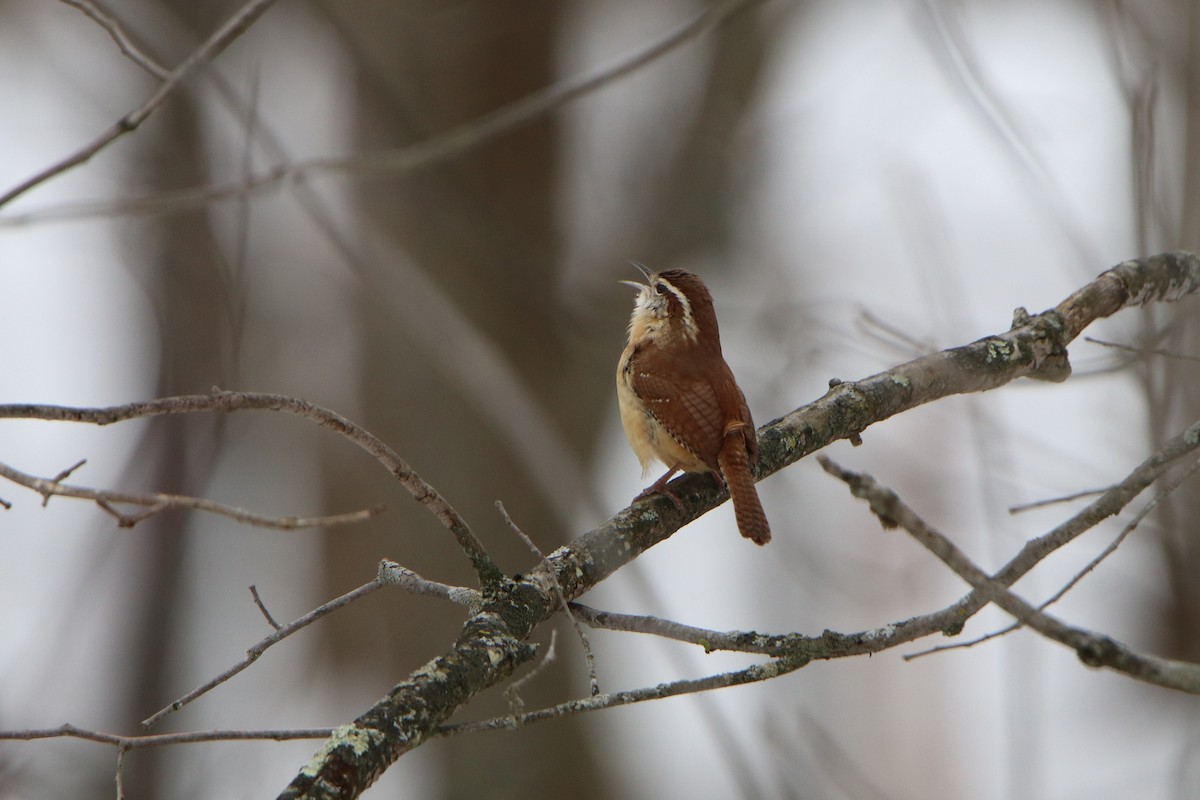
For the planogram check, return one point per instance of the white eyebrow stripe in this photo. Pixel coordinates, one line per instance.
(689, 322)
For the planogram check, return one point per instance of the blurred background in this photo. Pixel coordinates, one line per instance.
(859, 183)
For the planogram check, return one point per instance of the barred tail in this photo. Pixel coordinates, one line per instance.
(747, 508)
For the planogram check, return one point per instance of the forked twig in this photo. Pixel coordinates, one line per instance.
(438, 149)
(1111, 548)
(155, 502)
(589, 658)
(389, 574)
(261, 647)
(227, 402)
(1095, 650)
(234, 27)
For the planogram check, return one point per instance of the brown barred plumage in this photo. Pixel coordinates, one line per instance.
(679, 401)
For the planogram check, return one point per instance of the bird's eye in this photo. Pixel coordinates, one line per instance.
(659, 287)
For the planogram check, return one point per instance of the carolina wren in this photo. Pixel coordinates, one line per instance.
(679, 401)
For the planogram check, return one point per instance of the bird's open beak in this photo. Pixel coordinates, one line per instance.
(642, 268)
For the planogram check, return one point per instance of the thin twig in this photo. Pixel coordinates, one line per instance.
(436, 150)
(1146, 351)
(120, 776)
(710, 640)
(126, 45)
(1091, 565)
(66, 473)
(234, 27)
(391, 573)
(1107, 505)
(124, 519)
(751, 674)
(512, 692)
(140, 741)
(262, 607)
(1058, 595)
(941, 648)
(1095, 650)
(155, 502)
(257, 650)
(1017, 509)
(1142, 513)
(590, 659)
(227, 402)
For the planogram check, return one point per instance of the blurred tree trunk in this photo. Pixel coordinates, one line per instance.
(1172, 385)
(485, 230)
(1179, 378)
(194, 300)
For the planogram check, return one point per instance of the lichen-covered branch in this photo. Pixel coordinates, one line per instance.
(357, 754)
(1035, 347)
(504, 612)
(491, 640)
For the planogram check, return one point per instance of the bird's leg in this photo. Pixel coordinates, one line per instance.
(660, 487)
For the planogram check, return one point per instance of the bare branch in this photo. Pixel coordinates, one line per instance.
(390, 574)
(513, 691)
(120, 777)
(751, 674)
(1152, 351)
(1093, 649)
(941, 648)
(1091, 565)
(493, 640)
(227, 402)
(257, 650)
(156, 502)
(1017, 509)
(440, 148)
(741, 641)
(210, 49)
(1142, 513)
(1165, 277)
(492, 644)
(1105, 506)
(394, 574)
(124, 519)
(588, 657)
(66, 473)
(162, 739)
(126, 45)
(262, 607)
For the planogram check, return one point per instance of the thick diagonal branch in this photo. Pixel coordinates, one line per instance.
(1033, 347)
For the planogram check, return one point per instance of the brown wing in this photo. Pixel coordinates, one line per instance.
(685, 405)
